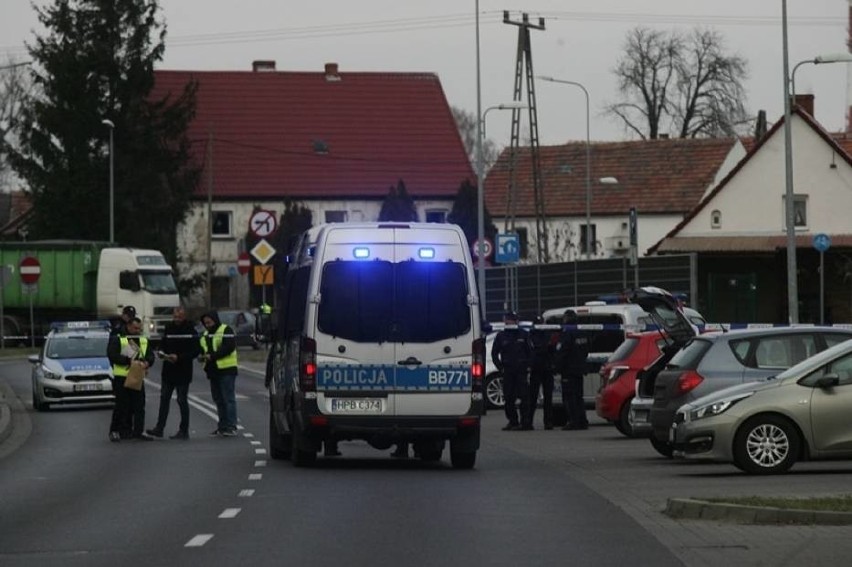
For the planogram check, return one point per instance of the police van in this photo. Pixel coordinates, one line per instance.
(377, 338)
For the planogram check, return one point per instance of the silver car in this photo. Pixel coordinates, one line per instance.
(73, 367)
(765, 427)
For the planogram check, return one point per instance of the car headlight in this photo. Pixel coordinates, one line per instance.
(716, 408)
(49, 375)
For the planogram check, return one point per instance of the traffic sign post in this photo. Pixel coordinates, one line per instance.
(30, 270)
(822, 242)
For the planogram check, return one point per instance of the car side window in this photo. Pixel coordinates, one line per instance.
(843, 369)
(771, 353)
(832, 339)
(740, 349)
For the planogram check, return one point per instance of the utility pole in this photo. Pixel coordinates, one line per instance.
(524, 70)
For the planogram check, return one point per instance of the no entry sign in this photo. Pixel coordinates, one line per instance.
(243, 263)
(30, 270)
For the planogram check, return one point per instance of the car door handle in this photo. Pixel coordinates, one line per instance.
(410, 361)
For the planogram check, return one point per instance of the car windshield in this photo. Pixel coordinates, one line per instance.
(381, 301)
(76, 346)
(158, 282)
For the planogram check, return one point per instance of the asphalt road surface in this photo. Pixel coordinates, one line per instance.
(70, 497)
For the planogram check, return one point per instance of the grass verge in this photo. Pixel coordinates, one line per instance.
(839, 503)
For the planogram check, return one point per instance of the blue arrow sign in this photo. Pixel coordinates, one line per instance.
(508, 248)
(822, 242)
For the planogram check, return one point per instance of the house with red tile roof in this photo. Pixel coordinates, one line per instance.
(738, 231)
(662, 179)
(333, 140)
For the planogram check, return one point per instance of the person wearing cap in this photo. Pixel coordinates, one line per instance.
(541, 374)
(127, 315)
(512, 355)
(571, 352)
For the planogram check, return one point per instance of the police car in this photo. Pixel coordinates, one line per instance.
(72, 367)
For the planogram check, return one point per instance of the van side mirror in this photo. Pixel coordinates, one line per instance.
(129, 280)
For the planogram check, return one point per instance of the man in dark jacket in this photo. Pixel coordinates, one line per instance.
(572, 351)
(128, 416)
(178, 349)
(541, 375)
(512, 354)
(219, 355)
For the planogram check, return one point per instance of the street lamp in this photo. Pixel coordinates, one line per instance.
(590, 242)
(818, 60)
(480, 193)
(109, 124)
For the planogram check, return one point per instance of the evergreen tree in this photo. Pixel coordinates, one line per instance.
(465, 213)
(295, 220)
(94, 63)
(398, 205)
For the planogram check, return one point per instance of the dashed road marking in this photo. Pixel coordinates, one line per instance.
(246, 493)
(248, 435)
(229, 513)
(255, 476)
(260, 451)
(256, 443)
(261, 463)
(198, 540)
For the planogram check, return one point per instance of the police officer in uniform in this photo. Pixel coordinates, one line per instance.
(572, 350)
(541, 374)
(512, 355)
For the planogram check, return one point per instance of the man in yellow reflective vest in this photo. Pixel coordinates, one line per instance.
(219, 355)
(128, 416)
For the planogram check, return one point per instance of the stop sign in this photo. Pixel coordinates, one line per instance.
(30, 270)
(243, 263)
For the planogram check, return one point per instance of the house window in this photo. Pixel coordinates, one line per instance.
(436, 216)
(716, 219)
(587, 245)
(222, 224)
(335, 216)
(523, 241)
(800, 211)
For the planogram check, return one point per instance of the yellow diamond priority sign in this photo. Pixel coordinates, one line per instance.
(263, 251)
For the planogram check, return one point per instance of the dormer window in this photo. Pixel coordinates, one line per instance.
(716, 219)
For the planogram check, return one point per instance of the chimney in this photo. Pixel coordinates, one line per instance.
(805, 102)
(331, 73)
(263, 66)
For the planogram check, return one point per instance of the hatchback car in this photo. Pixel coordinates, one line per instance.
(764, 427)
(715, 361)
(72, 367)
(618, 377)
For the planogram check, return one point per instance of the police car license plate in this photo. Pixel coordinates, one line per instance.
(87, 387)
(356, 405)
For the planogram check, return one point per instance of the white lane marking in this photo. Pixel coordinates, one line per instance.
(255, 476)
(195, 402)
(229, 513)
(248, 435)
(198, 540)
(256, 443)
(246, 492)
(260, 451)
(260, 463)
(240, 427)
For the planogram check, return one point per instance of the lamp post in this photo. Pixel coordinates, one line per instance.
(818, 60)
(590, 241)
(108, 123)
(480, 193)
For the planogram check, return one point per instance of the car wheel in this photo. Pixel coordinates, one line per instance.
(279, 445)
(767, 444)
(663, 447)
(623, 421)
(494, 391)
(461, 460)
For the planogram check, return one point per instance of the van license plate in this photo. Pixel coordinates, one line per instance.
(356, 405)
(87, 387)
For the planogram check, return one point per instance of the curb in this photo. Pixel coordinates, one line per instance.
(5, 413)
(692, 509)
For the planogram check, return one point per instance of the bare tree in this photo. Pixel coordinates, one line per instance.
(14, 85)
(466, 123)
(679, 85)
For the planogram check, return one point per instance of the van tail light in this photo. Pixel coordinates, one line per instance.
(477, 367)
(687, 382)
(308, 365)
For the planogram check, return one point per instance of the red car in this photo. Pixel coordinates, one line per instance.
(618, 376)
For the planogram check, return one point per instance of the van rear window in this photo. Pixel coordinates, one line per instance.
(378, 301)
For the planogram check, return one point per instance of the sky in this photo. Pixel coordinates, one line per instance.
(582, 42)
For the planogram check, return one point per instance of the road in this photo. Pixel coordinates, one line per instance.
(70, 497)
